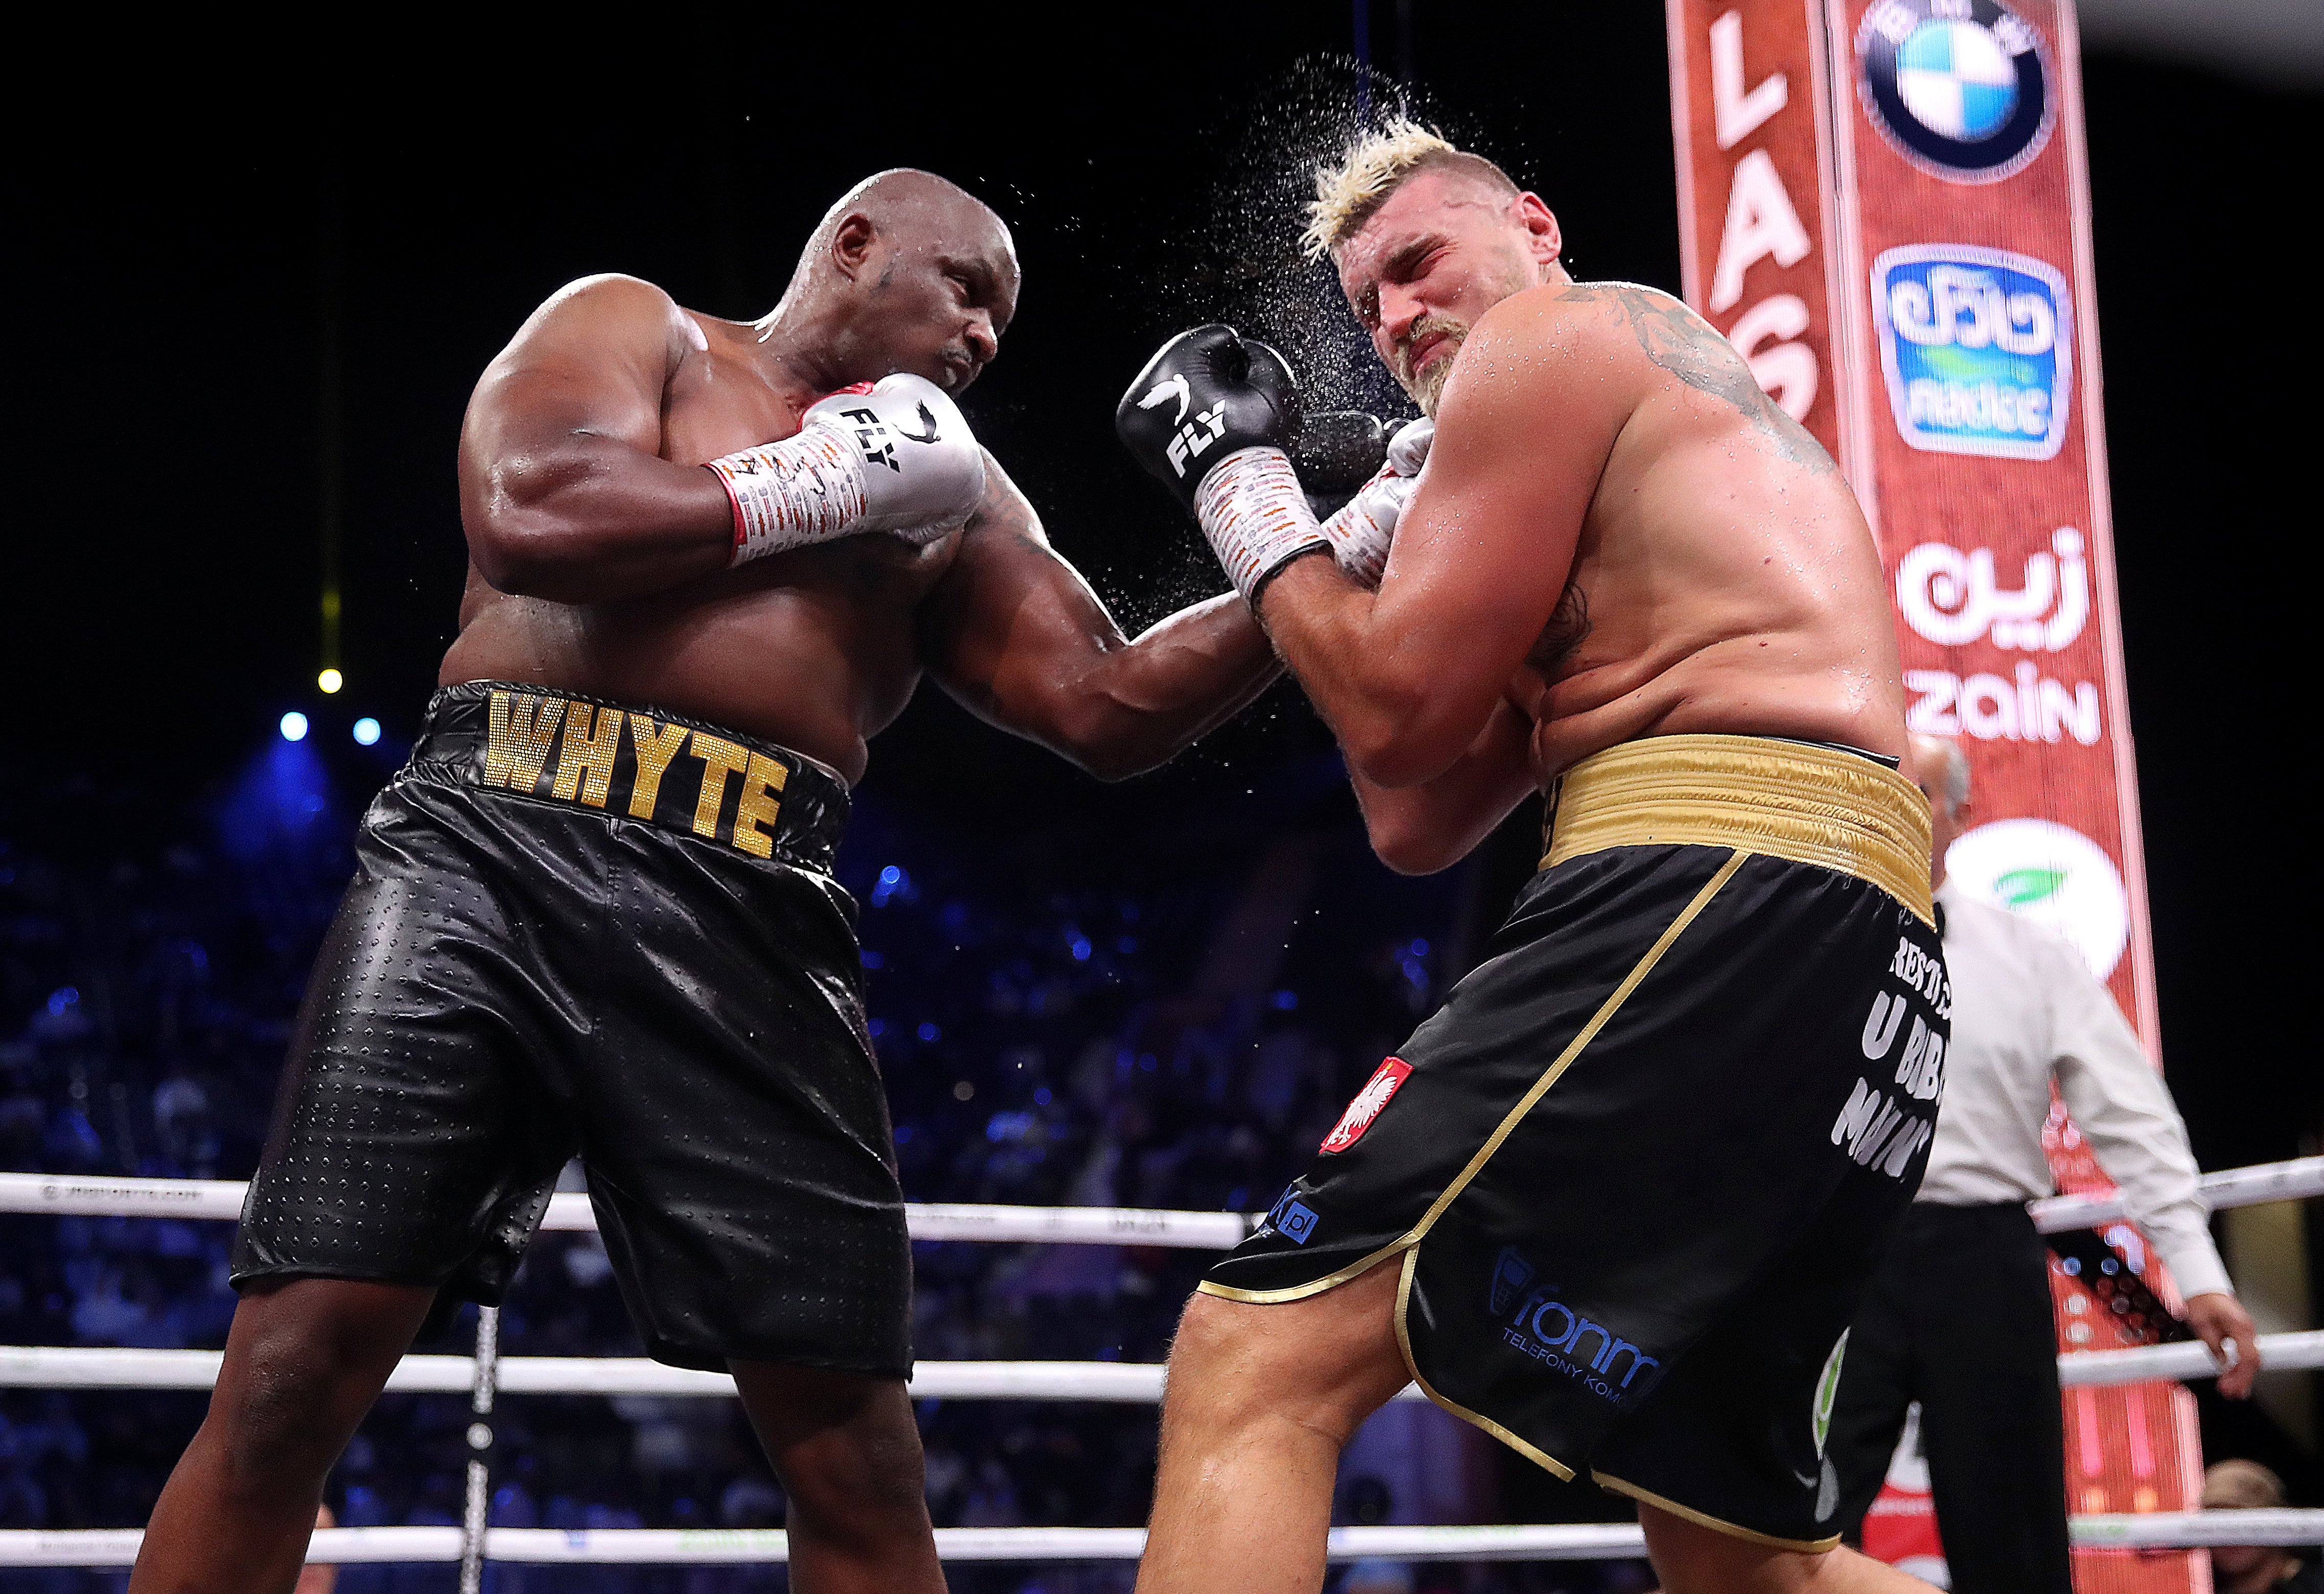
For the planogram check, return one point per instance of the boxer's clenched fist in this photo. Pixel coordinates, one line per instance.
(1204, 395)
(1210, 416)
(890, 455)
(1362, 531)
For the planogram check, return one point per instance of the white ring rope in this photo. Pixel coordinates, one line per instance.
(2300, 1177)
(569, 1211)
(87, 1367)
(1613, 1541)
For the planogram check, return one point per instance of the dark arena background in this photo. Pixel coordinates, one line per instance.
(250, 293)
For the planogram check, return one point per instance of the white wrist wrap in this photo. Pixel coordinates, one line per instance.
(805, 489)
(1256, 515)
(1363, 530)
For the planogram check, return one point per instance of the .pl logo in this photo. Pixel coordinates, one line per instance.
(1367, 1105)
(1976, 348)
(1293, 1219)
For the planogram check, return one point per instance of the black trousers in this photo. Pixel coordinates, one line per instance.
(1958, 1319)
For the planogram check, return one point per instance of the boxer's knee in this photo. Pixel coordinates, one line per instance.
(304, 1361)
(845, 1447)
(1324, 1363)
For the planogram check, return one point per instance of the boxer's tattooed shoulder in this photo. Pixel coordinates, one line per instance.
(1683, 343)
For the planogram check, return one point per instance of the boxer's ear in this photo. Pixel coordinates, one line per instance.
(852, 243)
(1543, 238)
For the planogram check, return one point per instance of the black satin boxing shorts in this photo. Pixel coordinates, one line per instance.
(582, 927)
(1640, 1165)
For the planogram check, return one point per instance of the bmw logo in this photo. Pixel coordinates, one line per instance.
(1962, 87)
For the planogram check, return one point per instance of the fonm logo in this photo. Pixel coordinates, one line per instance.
(1536, 1321)
(1976, 348)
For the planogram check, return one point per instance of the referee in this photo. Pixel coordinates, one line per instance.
(1959, 1316)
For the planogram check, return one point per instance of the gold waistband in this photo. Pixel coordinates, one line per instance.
(1786, 800)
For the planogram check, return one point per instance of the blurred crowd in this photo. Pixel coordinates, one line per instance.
(1178, 1033)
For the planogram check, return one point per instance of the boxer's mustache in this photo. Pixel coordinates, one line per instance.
(1453, 330)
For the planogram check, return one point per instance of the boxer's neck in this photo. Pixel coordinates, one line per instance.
(798, 354)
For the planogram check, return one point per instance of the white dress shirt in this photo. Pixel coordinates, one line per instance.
(2026, 1009)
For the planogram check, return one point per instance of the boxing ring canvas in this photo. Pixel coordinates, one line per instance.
(1885, 204)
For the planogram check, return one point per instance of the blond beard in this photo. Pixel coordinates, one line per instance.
(1429, 389)
(1425, 390)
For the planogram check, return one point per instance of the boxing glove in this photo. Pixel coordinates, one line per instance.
(1362, 530)
(1211, 417)
(892, 455)
(1336, 452)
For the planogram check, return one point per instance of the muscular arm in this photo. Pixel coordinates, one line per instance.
(1421, 829)
(563, 493)
(1016, 634)
(1410, 678)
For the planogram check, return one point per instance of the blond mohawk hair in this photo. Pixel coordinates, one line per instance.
(1375, 166)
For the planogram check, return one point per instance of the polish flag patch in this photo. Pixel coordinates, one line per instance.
(1367, 1105)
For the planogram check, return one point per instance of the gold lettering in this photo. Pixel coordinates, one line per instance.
(518, 737)
(655, 747)
(589, 751)
(757, 805)
(720, 758)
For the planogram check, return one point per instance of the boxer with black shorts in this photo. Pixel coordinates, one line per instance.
(594, 913)
(1616, 1201)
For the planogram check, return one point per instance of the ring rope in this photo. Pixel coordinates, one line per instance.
(569, 1210)
(487, 1373)
(346, 1546)
(89, 1367)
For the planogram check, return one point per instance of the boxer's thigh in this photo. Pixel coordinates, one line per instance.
(411, 1142)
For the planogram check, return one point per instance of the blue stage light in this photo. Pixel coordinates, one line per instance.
(294, 726)
(366, 730)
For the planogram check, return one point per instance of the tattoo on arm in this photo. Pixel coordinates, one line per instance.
(1683, 343)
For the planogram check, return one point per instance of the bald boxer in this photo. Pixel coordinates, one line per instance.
(1616, 1201)
(594, 913)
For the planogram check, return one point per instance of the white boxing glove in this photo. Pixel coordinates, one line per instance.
(1364, 527)
(891, 456)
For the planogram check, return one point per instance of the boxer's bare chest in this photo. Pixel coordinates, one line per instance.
(814, 648)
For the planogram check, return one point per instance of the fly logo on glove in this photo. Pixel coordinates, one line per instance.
(842, 474)
(1164, 392)
(1192, 439)
(869, 431)
(1236, 401)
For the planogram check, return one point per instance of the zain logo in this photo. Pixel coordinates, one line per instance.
(1962, 89)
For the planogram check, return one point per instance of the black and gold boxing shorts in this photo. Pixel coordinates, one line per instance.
(1639, 1166)
(583, 928)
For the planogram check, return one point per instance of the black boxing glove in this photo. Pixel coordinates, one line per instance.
(1211, 417)
(1337, 451)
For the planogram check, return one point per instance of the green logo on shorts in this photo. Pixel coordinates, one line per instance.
(1827, 1391)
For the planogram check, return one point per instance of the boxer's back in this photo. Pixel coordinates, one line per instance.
(1724, 578)
(812, 648)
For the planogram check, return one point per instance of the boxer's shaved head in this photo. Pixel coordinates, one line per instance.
(907, 203)
(906, 271)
